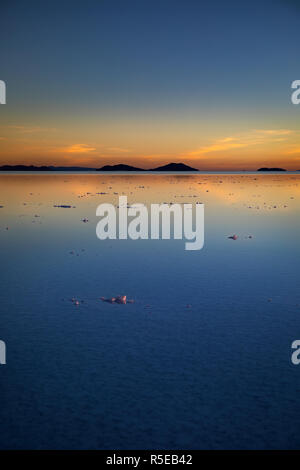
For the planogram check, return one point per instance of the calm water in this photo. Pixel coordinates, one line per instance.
(154, 374)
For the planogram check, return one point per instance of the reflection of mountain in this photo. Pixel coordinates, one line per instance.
(43, 168)
(174, 167)
(119, 167)
(271, 169)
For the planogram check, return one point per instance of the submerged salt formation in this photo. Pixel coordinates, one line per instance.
(120, 299)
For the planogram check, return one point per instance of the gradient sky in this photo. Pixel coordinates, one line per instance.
(149, 82)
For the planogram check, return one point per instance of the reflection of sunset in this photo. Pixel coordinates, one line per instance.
(257, 192)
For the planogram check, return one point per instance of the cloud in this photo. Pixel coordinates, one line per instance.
(293, 151)
(273, 131)
(218, 146)
(254, 137)
(78, 148)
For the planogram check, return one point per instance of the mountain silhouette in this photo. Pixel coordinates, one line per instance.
(119, 167)
(43, 168)
(174, 167)
(271, 169)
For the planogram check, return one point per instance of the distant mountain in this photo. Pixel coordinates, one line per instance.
(24, 168)
(174, 167)
(271, 169)
(43, 168)
(119, 167)
(169, 167)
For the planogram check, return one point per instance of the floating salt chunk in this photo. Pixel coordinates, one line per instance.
(121, 299)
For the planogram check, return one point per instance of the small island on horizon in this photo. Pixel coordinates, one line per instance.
(271, 169)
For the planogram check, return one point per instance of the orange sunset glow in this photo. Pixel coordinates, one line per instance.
(245, 150)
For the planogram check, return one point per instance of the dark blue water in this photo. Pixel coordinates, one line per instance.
(201, 360)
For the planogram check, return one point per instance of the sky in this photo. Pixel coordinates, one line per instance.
(146, 83)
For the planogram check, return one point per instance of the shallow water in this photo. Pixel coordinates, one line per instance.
(201, 360)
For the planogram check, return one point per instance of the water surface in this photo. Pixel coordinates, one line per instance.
(201, 360)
